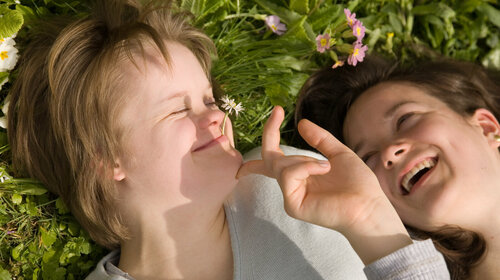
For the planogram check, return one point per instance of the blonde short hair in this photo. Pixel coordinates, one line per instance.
(67, 97)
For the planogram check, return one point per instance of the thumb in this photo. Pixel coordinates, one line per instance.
(252, 166)
(320, 139)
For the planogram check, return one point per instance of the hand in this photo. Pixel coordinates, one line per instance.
(341, 193)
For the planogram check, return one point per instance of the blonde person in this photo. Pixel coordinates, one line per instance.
(115, 113)
(430, 134)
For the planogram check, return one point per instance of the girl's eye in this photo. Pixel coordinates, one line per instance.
(367, 157)
(402, 119)
(212, 103)
(180, 111)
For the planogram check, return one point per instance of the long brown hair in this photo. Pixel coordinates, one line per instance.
(327, 95)
(68, 94)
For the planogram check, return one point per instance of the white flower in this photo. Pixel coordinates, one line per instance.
(230, 106)
(8, 40)
(3, 122)
(3, 119)
(8, 54)
(4, 176)
(2, 82)
(5, 107)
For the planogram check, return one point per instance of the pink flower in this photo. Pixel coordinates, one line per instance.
(351, 17)
(358, 54)
(323, 42)
(273, 22)
(358, 30)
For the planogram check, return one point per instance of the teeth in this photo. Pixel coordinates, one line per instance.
(428, 163)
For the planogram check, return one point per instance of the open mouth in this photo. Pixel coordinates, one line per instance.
(416, 173)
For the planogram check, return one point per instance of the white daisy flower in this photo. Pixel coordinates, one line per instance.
(229, 105)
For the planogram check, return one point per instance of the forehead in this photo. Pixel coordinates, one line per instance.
(374, 107)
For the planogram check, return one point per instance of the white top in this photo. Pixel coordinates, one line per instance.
(268, 244)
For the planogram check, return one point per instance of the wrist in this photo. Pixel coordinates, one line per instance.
(381, 233)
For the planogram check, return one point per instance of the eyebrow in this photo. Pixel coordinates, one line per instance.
(394, 108)
(387, 115)
(179, 95)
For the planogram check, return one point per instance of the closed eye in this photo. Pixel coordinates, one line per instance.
(180, 111)
(212, 103)
(402, 119)
(367, 157)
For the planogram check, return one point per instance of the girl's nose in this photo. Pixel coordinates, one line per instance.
(393, 153)
(210, 117)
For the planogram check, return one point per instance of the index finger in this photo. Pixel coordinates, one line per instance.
(321, 139)
(271, 135)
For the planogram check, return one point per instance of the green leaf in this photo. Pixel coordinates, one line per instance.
(491, 13)
(300, 6)
(17, 198)
(4, 274)
(277, 94)
(324, 16)
(492, 59)
(32, 209)
(16, 251)
(301, 30)
(61, 206)
(285, 15)
(438, 9)
(73, 229)
(395, 23)
(27, 188)
(12, 21)
(48, 237)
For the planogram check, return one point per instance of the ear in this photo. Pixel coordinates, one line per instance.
(488, 124)
(118, 172)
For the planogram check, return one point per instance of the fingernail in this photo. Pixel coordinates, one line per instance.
(324, 163)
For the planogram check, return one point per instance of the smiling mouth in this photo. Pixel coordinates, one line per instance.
(214, 141)
(415, 174)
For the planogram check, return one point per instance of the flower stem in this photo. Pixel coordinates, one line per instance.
(224, 124)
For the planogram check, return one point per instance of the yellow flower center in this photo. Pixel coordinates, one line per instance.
(350, 21)
(273, 27)
(323, 42)
(3, 55)
(358, 31)
(355, 52)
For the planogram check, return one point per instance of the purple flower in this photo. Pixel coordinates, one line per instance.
(358, 54)
(351, 17)
(273, 22)
(322, 42)
(358, 30)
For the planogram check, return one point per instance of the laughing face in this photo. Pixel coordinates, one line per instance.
(436, 166)
(175, 151)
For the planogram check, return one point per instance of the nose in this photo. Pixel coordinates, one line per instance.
(210, 117)
(394, 153)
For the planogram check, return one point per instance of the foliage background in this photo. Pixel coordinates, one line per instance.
(39, 239)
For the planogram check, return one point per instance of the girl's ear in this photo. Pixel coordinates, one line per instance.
(118, 172)
(489, 125)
